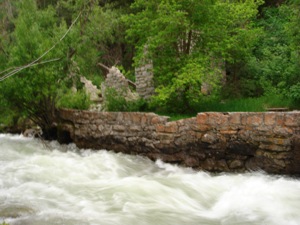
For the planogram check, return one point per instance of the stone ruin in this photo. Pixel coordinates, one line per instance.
(144, 80)
(115, 79)
(144, 84)
(91, 89)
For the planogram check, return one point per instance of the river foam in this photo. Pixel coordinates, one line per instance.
(47, 183)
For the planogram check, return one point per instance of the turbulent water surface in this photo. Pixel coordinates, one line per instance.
(48, 184)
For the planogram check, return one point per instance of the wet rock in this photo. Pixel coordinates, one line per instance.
(209, 138)
(241, 148)
(236, 164)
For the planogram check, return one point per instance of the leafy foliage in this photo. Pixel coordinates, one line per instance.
(179, 35)
(233, 48)
(272, 66)
(115, 102)
(32, 92)
(99, 35)
(275, 54)
(74, 100)
(183, 94)
(294, 93)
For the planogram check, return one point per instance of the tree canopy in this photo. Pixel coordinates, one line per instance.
(190, 42)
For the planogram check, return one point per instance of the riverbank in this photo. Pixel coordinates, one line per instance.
(216, 142)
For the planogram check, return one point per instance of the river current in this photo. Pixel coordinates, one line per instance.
(44, 183)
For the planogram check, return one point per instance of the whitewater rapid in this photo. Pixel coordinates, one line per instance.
(44, 183)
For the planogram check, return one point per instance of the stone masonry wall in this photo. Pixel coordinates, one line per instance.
(115, 79)
(216, 142)
(144, 80)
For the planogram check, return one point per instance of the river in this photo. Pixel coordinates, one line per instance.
(44, 183)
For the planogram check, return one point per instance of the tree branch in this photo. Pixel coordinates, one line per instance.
(39, 58)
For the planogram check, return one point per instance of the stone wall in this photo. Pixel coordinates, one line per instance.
(216, 142)
(144, 76)
(144, 80)
(90, 89)
(116, 80)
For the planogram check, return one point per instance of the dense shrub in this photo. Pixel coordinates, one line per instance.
(294, 93)
(77, 100)
(115, 102)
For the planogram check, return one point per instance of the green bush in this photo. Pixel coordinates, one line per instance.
(77, 100)
(115, 102)
(7, 118)
(294, 93)
(183, 93)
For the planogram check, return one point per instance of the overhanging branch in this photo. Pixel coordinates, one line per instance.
(36, 61)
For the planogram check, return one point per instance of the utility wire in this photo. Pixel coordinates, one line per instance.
(35, 62)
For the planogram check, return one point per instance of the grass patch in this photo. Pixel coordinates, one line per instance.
(116, 102)
(233, 105)
(77, 100)
(239, 105)
(174, 117)
(247, 104)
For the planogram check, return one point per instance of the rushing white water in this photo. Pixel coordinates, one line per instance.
(48, 184)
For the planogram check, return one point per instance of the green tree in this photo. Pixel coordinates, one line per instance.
(272, 68)
(7, 11)
(36, 29)
(293, 30)
(179, 34)
(33, 91)
(99, 34)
